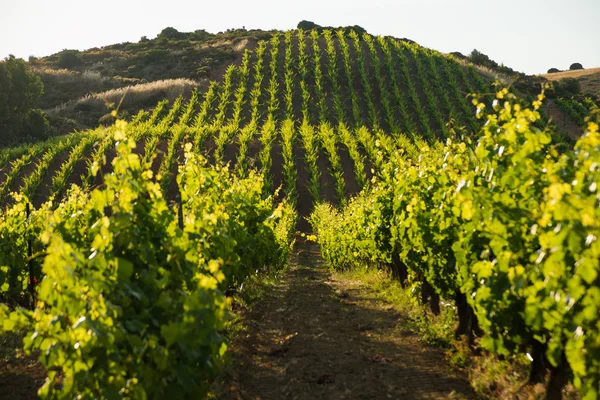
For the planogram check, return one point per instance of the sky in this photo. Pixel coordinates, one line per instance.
(530, 36)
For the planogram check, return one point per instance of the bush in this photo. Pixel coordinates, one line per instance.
(575, 66)
(567, 86)
(69, 59)
(553, 70)
(307, 25)
(171, 33)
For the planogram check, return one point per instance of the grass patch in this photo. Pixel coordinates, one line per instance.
(437, 330)
(489, 376)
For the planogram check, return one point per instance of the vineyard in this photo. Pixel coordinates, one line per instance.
(262, 113)
(120, 247)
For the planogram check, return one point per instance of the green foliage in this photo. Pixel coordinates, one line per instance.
(507, 223)
(131, 302)
(553, 70)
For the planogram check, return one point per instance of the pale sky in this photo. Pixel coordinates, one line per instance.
(528, 35)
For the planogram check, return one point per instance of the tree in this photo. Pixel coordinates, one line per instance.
(575, 66)
(20, 91)
(553, 70)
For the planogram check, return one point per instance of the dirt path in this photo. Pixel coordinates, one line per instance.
(317, 336)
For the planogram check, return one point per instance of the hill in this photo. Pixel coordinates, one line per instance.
(306, 100)
(178, 206)
(81, 86)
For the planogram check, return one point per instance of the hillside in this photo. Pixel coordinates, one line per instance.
(300, 98)
(84, 86)
(589, 79)
(449, 211)
(81, 88)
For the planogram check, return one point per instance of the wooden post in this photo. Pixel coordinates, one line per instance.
(29, 259)
(179, 208)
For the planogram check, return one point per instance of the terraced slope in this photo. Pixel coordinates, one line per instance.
(305, 108)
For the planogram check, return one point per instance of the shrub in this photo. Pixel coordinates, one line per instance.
(575, 66)
(69, 59)
(553, 70)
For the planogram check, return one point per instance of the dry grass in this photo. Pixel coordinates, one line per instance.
(66, 76)
(241, 45)
(571, 74)
(131, 95)
(485, 71)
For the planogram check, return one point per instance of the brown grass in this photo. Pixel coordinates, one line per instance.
(485, 71)
(571, 74)
(588, 78)
(132, 95)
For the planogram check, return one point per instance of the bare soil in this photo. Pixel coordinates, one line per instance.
(20, 375)
(564, 123)
(322, 336)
